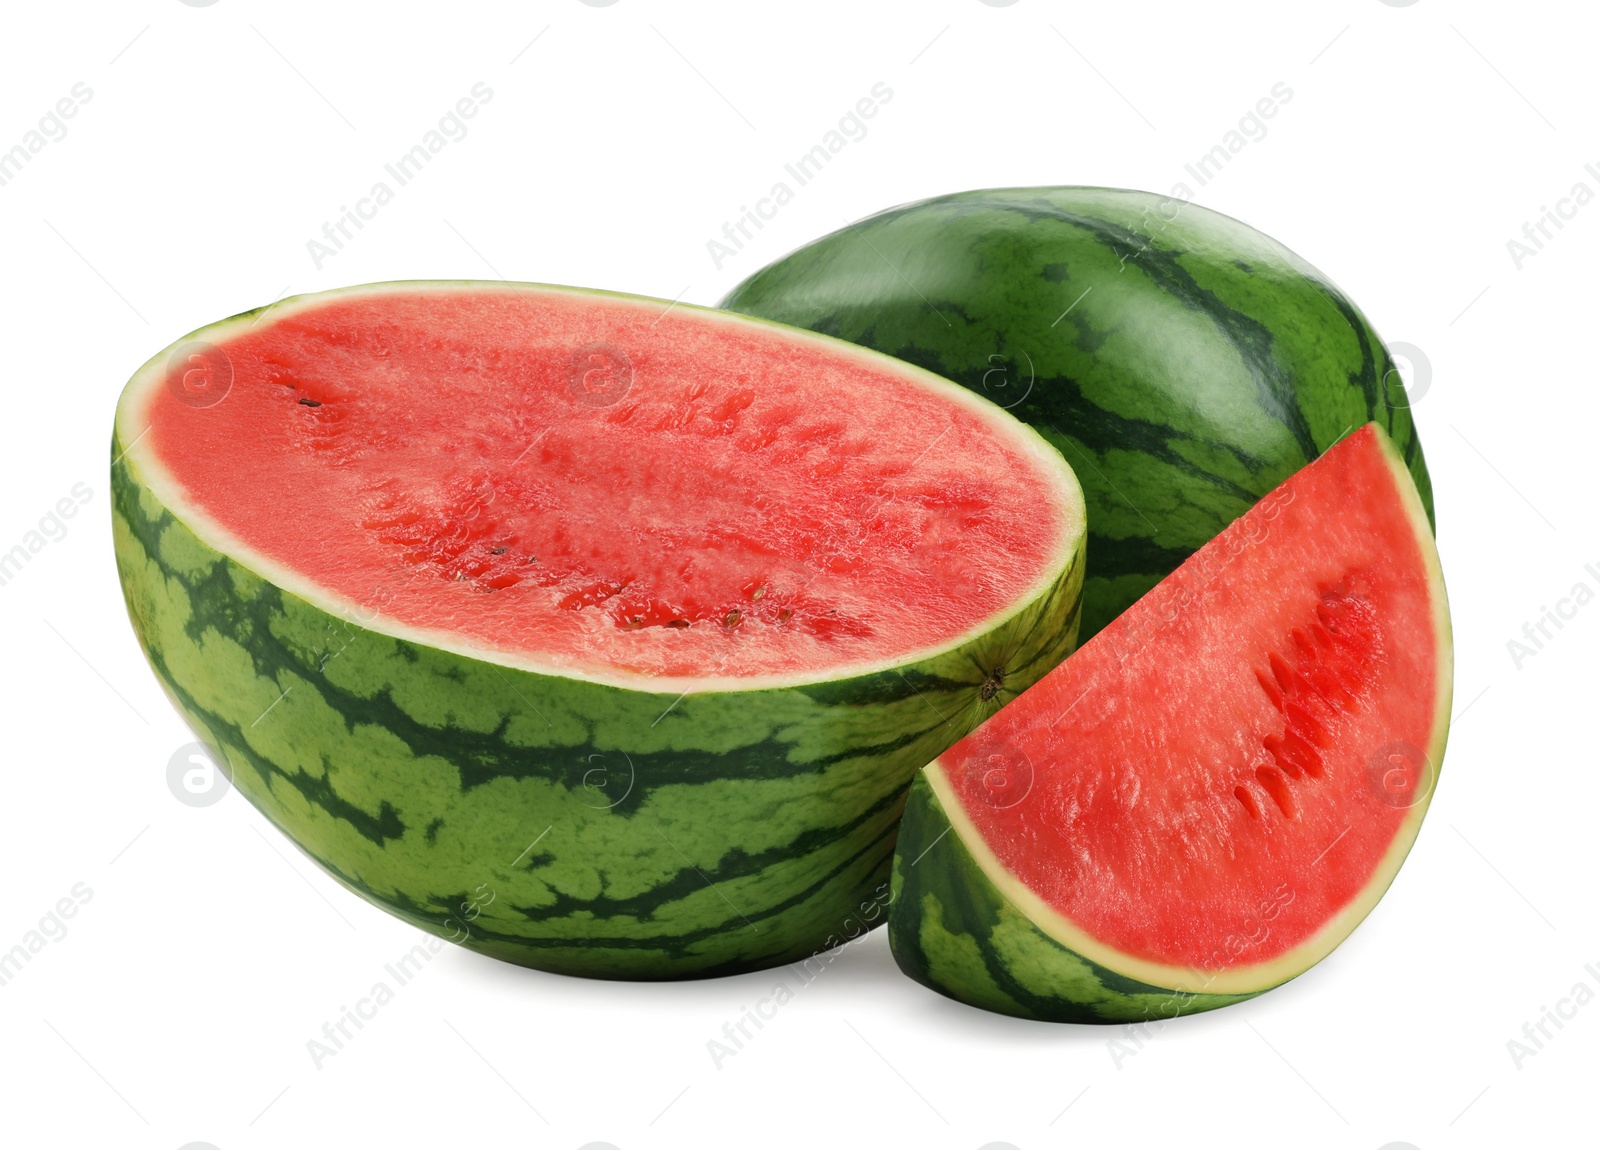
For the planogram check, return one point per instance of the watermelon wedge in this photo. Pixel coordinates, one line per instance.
(595, 633)
(1213, 792)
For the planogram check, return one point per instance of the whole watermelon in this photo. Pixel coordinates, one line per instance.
(1183, 362)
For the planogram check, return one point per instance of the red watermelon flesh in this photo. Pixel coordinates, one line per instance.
(608, 485)
(1215, 789)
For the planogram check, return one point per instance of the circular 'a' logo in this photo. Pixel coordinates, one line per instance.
(1400, 774)
(1405, 388)
(199, 374)
(1006, 382)
(607, 782)
(194, 778)
(1000, 774)
(599, 374)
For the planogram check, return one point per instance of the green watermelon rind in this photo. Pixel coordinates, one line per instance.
(458, 792)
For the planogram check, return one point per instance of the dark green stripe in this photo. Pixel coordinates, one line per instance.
(1366, 376)
(1250, 337)
(1134, 555)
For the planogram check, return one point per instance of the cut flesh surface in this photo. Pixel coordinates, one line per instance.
(1214, 790)
(601, 485)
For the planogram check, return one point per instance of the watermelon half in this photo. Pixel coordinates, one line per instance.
(1214, 791)
(596, 633)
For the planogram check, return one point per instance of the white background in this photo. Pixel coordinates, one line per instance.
(217, 142)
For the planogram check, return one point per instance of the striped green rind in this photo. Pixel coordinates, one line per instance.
(556, 822)
(1182, 362)
(952, 929)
